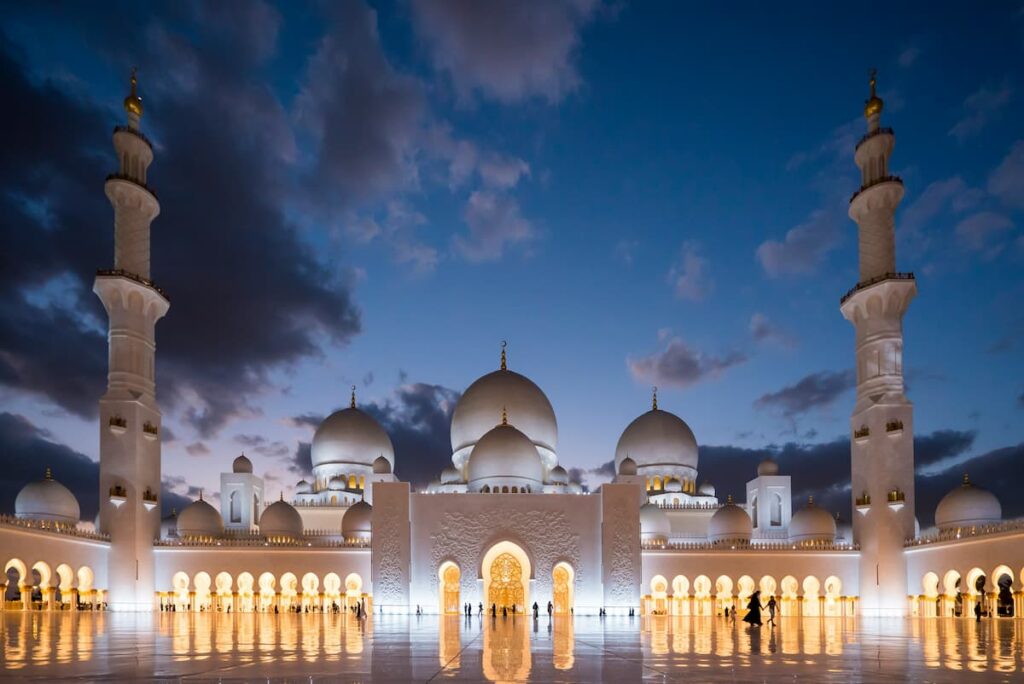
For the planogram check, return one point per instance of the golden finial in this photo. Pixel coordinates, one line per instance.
(810, 500)
(504, 415)
(200, 494)
(654, 399)
(280, 496)
(48, 475)
(353, 404)
(967, 480)
(133, 103)
(728, 499)
(874, 104)
(504, 361)
(174, 511)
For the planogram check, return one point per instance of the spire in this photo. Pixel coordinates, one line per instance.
(200, 494)
(728, 500)
(353, 404)
(133, 103)
(504, 415)
(654, 399)
(810, 500)
(504, 360)
(967, 480)
(280, 495)
(49, 475)
(873, 105)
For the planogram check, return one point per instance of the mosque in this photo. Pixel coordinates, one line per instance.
(504, 524)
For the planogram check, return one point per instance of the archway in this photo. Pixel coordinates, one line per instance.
(310, 591)
(449, 578)
(506, 572)
(180, 582)
(811, 588)
(833, 596)
(202, 583)
(702, 595)
(1002, 578)
(332, 590)
(289, 590)
(353, 589)
(723, 594)
(563, 588)
(266, 586)
(65, 584)
(790, 588)
(954, 598)
(768, 586)
(659, 595)
(680, 595)
(19, 583)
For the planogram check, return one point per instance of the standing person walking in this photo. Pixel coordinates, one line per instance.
(771, 611)
(753, 616)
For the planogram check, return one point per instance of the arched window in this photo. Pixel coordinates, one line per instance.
(753, 511)
(776, 512)
(236, 507)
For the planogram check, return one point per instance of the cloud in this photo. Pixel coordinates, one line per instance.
(934, 201)
(813, 391)
(999, 470)
(495, 222)
(625, 251)
(984, 232)
(505, 50)
(223, 192)
(802, 249)
(678, 365)
(908, 56)
(1007, 181)
(688, 276)
(979, 109)
(301, 463)
(197, 449)
(764, 330)
(264, 447)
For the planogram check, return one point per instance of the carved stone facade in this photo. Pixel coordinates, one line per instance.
(620, 532)
(390, 546)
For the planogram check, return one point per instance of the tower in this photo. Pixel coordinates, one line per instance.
(129, 413)
(882, 444)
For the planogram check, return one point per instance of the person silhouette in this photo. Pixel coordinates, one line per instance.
(753, 616)
(536, 610)
(771, 611)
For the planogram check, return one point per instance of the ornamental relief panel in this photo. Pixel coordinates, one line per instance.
(390, 582)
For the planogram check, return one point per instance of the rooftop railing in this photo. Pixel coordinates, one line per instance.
(121, 273)
(682, 545)
(52, 527)
(257, 541)
(953, 534)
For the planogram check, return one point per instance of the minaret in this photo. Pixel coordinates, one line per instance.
(129, 414)
(882, 430)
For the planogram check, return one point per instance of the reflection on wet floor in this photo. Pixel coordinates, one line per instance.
(327, 646)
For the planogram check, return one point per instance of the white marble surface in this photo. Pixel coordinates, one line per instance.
(261, 647)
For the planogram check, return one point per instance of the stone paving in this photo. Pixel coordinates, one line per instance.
(321, 648)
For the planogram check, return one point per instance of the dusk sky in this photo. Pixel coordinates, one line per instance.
(631, 194)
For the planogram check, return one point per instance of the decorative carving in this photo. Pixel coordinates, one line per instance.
(390, 584)
(622, 553)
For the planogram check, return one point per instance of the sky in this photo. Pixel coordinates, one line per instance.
(630, 193)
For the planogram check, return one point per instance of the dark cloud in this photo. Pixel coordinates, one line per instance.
(197, 449)
(306, 420)
(1000, 471)
(223, 180)
(679, 365)
(261, 445)
(803, 248)
(762, 329)
(301, 462)
(816, 390)
(506, 50)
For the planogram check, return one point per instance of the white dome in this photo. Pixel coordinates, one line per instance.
(504, 457)
(337, 483)
(730, 523)
(706, 489)
(281, 520)
(241, 465)
(200, 519)
(968, 505)
(480, 408)
(381, 466)
(450, 476)
(357, 523)
(558, 475)
(811, 523)
(627, 467)
(673, 486)
(349, 437)
(47, 499)
(303, 487)
(768, 467)
(658, 438)
(654, 524)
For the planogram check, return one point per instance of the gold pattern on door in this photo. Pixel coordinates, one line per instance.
(451, 589)
(506, 589)
(561, 591)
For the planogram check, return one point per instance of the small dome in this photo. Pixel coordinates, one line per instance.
(47, 499)
(706, 489)
(350, 437)
(280, 520)
(169, 525)
(575, 488)
(381, 466)
(811, 523)
(482, 403)
(627, 466)
(450, 476)
(303, 487)
(337, 483)
(504, 457)
(767, 467)
(968, 505)
(558, 475)
(658, 438)
(654, 523)
(357, 523)
(730, 523)
(241, 465)
(200, 519)
(673, 486)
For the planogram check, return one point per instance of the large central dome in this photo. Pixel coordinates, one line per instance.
(350, 436)
(658, 438)
(481, 406)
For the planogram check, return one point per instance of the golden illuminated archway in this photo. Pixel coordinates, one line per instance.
(450, 579)
(506, 588)
(562, 588)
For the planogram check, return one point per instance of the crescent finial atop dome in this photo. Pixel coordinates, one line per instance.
(967, 480)
(504, 415)
(353, 402)
(654, 399)
(504, 360)
(133, 103)
(48, 475)
(874, 104)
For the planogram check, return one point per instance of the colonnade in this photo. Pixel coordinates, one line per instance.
(40, 587)
(810, 598)
(265, 594)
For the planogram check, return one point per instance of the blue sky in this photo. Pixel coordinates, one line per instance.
(630, 194)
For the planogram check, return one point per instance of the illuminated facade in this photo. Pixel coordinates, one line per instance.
(504, 527)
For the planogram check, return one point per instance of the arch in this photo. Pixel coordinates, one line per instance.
(768, 585)
(775, 512)
(811, 586)
(222, 583)
(1001, 571)
(245, 582)
(86, 577)
(723, 587)
(930, 584)
(235, 506)
(702, 586)
(1002, 580)
(753, 510)
(951, 583)
(45, 573)
(65, 577)
(833, 587)
(449, 577)
(332, 587)
(976, 581)
(310, 583)
(680, 586)
(507, 570)
(745, 587)
(353, 584)
(202, 582)
(790, 587)
(563, 579)
(289, 589)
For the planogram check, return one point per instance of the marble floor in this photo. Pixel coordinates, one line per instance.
(320, 648)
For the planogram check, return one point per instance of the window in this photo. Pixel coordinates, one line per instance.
(753, 510)
(235, 507)
(776, 511)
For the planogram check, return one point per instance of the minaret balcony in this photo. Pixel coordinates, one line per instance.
(138, 134)
(864, 284)
(118, 495)
(872, 134)
(863, 503)
(896, 499)
(134, 181)
(149, 499)
(860, 436)
(894, 428)
(121, 273)
(150, 431)
(118, 425)
(878, 181)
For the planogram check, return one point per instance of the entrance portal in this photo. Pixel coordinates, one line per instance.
(506, 571)
(450, 577)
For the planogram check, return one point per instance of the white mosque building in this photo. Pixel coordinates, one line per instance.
(504, 525)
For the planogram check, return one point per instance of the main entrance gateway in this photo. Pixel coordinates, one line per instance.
(506, 572)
